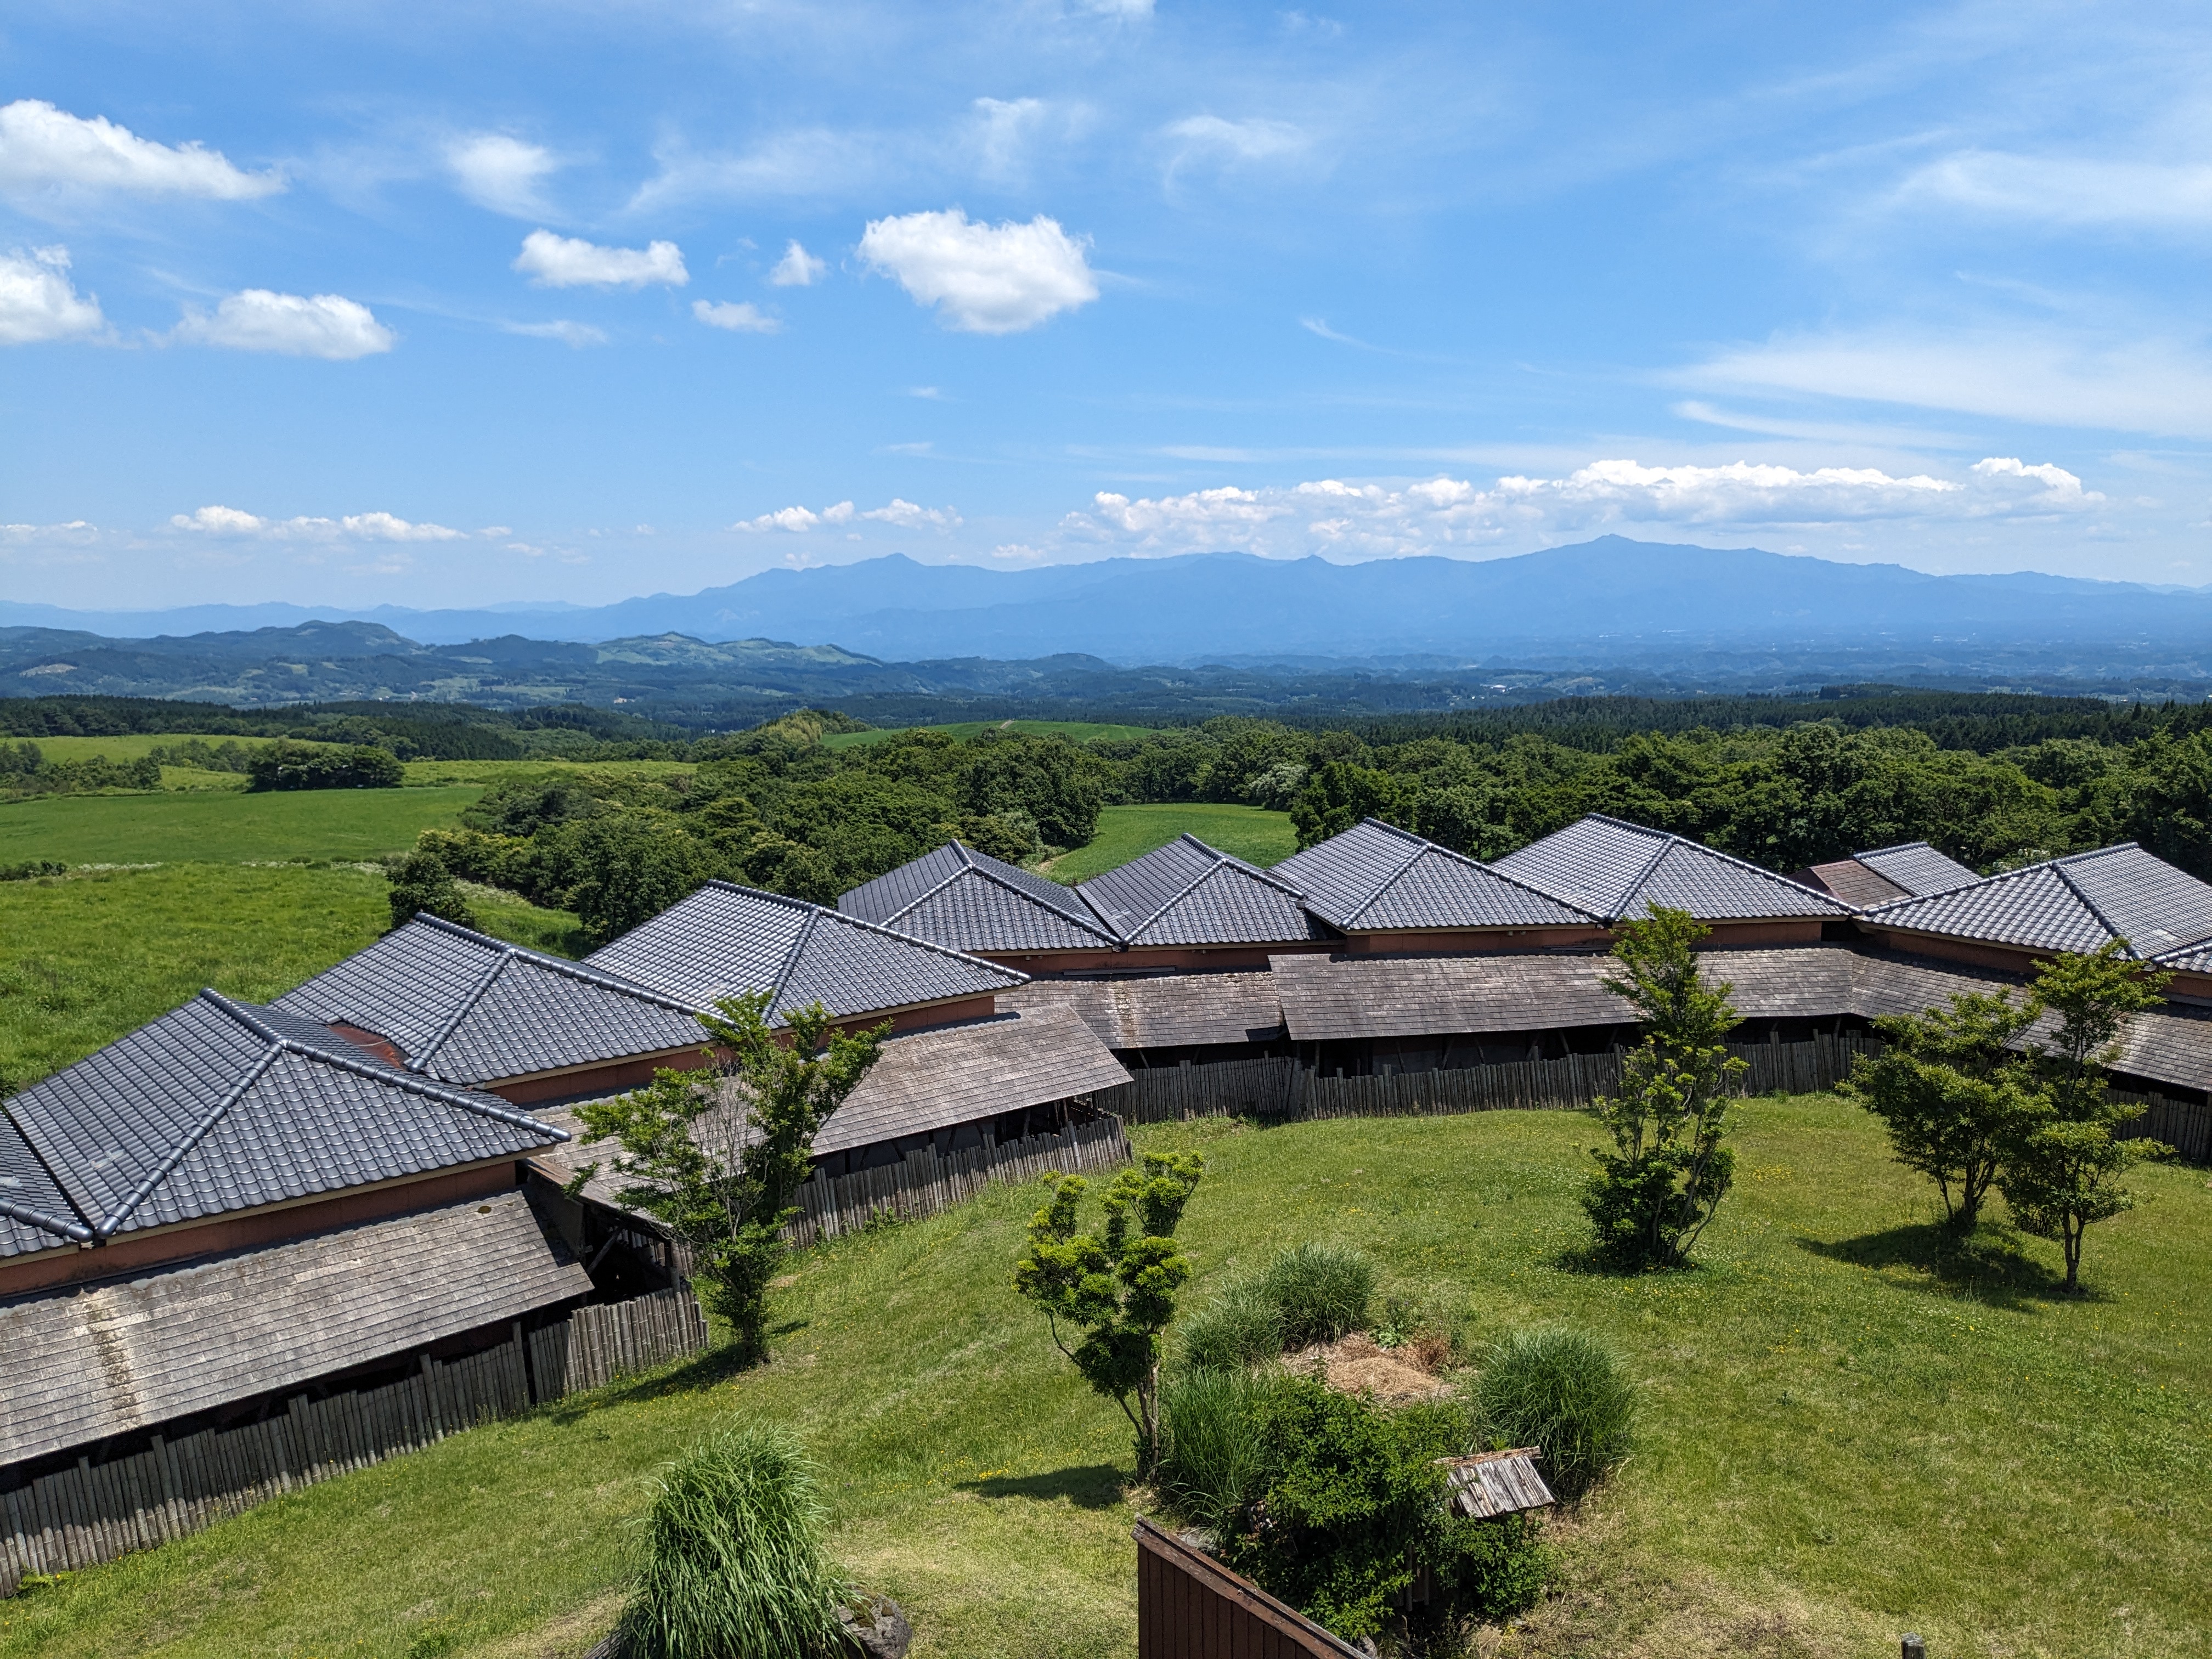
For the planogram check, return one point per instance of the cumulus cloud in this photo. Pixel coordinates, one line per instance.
(552, 261)
(235, 523)
(500, 173)
(327, 325)
(38, 303)
(1202, 515)
(43, 148)
(572, 334)
(798, 268)
(742, 317)
(900, 515)
(983, 279)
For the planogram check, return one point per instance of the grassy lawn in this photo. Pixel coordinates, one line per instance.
(1075, 731)
(1848, 1434)
(94, 954)
(442, 772)
(1250, 833)
(224, 828)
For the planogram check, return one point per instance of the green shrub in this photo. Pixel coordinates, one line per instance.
(421, 882)
(732, 1555)
(1496, 1568)
(1564, 1392)
(31, 869)
(1238, 1329)
(1211, 1463)
(283, 765)
(1319, 1292)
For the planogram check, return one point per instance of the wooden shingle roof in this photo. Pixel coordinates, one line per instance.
(1186, 893)
(123, 1354)
(1169, 1010)
(968, 900)
(1618, 871)
(2078, 902)
(222, 1106)
(1376, 877)
(726, 940)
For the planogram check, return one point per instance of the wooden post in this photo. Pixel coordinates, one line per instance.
(1913, 1648)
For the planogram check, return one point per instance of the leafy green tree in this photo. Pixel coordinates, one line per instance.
(1338, 794)
(1115, 1285)
(286, 765)
(1651, 1196)
(2064, 1164)
(718, 1156)
(1950, 1085)
(1049, 780)
(628, 867)
(421, 882)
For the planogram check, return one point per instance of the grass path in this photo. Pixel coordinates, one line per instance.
(1250, 833)
(1848, 1434)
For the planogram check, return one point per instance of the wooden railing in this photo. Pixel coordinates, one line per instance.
(1191, 1607)
(88, 1513)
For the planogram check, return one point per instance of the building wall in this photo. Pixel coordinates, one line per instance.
(1474, 941)
(1753, 935)
(1047, 964)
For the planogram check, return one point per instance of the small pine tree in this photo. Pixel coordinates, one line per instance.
(421, 882)
(1118, 1290)
(1652, 1195)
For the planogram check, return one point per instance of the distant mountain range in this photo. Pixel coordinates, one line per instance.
(1610, 600)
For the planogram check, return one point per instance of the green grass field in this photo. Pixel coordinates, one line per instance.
(224, 828)
(436, 771)
(1847, 1433)
(95, 954)
(129, 746)
(1076, 730)
(1249, 833)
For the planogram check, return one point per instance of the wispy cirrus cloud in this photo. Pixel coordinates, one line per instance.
(741, 317)
(500, 173)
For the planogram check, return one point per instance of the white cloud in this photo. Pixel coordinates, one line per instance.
(741, 318)
(901, 514)
(37, 302)
(500, 173)
(983, 279)
(1005, 128)
(908, 516)
(552, 261)
(1254, 140)
(797, 519)
(235, 523)
(1129, 8)
(798, 269)
(327, 325)
(1202, 515)
(2069, 191)
(2043, 377)
(43, 148)
(809, 162)
(572, 334)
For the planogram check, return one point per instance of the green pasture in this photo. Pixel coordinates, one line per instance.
(1851, 1430)
(93, 955)
(1250, 833)
(1074, 731)
(444, 773)
(130, 746)
(222, 827)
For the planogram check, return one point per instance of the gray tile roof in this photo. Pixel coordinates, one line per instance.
(222, 1106)
(726, 940)
(1186, 893)
(1618, 870)
(123, 1354)
(2073, 903)
(967, 901)
(1376, 877)
(1174, 1011)
(466, 1008)
(1916, 868)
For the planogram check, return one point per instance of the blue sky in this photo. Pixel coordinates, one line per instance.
(359, 303)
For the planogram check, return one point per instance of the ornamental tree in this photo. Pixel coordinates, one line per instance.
(1116, 1285)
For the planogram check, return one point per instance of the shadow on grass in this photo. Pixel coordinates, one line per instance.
(1989, 1264)
(704, 1370)
(1089, 1486)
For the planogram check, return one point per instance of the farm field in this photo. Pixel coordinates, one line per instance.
(95, 954)
(129, 745)
(222, 827)
(441, 772)
(1848, 1432)
(1075, 731)
(1250, 833)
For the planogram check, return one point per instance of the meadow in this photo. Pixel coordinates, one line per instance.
(1848, 1430)
(1250, 833)
(225, 827)
(1073, 731)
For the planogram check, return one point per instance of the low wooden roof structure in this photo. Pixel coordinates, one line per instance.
(1911, 869)
(726, 940)
(1617, 870)
(968, 900)
(1376, 879)
(224, 1106)
(1165, 1010)
(1495, 1483)
(122, 1354)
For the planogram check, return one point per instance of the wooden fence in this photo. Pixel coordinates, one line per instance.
(1228, 1088)
(2181, 1124)
(1191, 1607)
(927, 1181)
(88, 1513)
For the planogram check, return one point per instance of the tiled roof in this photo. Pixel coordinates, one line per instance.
(1173, 1011)
(1186, 893)
(1916, 868)
(966, 901)
(2073, 903)
(726, 940)
(224, 1106)
(1618, 871)
(468, 1008)
(1377, 877)
(87, 1363)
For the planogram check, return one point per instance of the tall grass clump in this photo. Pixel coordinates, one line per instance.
(732, 1555)
(1319, 1292)
(1239, 1329)
(1564, 1392)
(1212, 1462)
